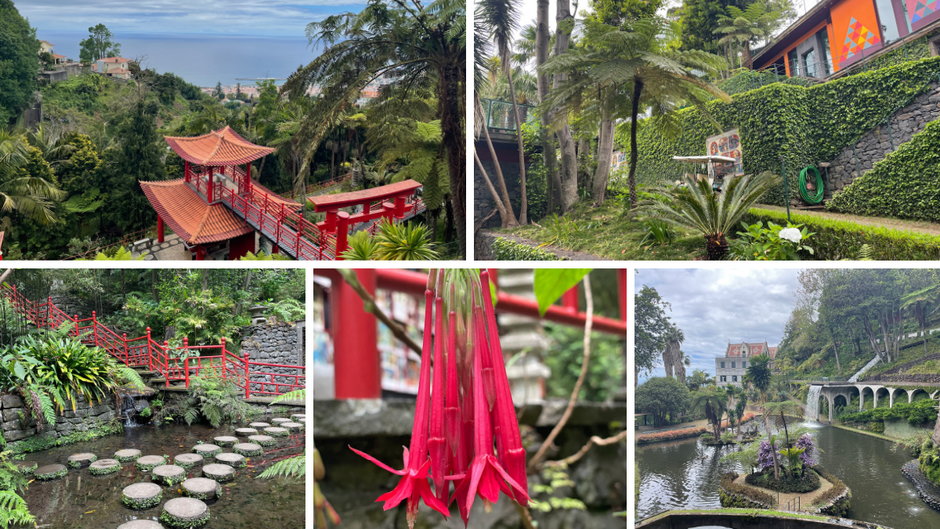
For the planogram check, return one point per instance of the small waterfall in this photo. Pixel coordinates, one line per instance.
(871, 363)
(812, 403)
(128, 410)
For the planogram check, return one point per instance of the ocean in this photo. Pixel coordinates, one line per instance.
(204, 60)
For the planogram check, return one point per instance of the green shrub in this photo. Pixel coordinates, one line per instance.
(916, 414)
(735, 495)
(807, 482)
(841, 239)
(507, 250)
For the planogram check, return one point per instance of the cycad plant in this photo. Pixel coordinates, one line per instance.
(696, 206)
(393, 242)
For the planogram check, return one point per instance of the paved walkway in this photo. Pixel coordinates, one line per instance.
(785, 500)
(920, 226)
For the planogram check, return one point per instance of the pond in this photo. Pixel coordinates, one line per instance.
(685, 474)
(83, 501)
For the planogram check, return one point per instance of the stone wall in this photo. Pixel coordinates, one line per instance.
(875, 144)
(275, 343)
(16, 426)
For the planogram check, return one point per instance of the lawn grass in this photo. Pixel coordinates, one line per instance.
(608, 231)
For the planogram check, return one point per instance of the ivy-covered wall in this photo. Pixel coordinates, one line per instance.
(784, 125)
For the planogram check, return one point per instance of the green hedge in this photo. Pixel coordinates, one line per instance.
(744, 79)
(915, 413)
(784, 123)
(840, 239)
(507, 250)
(904, 184)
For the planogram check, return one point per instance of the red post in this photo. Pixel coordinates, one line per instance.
(210, 188)
(224, 353)
(570, 299)
(186, 359)
(247, 379)
(94, 326)
(248, 177)
(622, 291)
(400, 207)
(160, 229)
(127, 352)
(358, 371)
(342, 233)
(329, 223)
(149, 352)
(49, 310)
(186, 171)
(275, 248)
(166, 360)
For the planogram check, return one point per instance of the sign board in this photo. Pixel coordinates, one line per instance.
(727, 144)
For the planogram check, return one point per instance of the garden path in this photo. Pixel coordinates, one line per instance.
(919, 226)
(785, 500)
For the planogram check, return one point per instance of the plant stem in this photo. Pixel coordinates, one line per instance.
(368, 304)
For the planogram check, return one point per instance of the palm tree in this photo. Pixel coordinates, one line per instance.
(637, 64)
(748, 26)
(405, 42)
(672, 353)
(30, 196)
(714, 403)
(695, 205)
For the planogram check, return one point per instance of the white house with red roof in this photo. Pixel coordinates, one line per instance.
(730, 368)
(113, 67)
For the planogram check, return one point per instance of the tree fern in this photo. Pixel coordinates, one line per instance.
(293, 467)
(14, 510)
(131, 377)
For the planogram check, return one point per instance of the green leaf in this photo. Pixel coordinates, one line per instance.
(551, 283)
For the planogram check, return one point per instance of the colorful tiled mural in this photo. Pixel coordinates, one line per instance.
(921, 11)
(857, 39)
(854, 32)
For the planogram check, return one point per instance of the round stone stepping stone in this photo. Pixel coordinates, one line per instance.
(225, 440)
(277, 431)
(219, 472)
(82, 460)
(188, 461)
(247, 449)
(232, 460)
(126, 455)
(148, 463)
(141, 496)
(298, 416)
(263, 440)
(257, 425)
(207, 450)
(104, 466)
(168, 474)
(201, 488)
(293, 426)
(279, 420)
(140, 524)
(49, 472)
(244, 432)
(185, 513)
(27, 467)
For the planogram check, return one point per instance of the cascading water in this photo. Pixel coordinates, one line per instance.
(812, 404)
(128, 410)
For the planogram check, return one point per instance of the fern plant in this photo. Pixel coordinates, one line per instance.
(13, 510)
(292, 467)
(210, 398)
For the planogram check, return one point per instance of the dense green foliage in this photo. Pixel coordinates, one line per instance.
(917, 413)
(665, 398)
(745, 79)
(509, 250)
(842, 239)
(903, 184)
(98, 45)
(780, 124)
(214, 400)
(19, 62)
(605, 371)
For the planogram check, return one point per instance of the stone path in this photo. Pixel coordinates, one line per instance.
(785, 500)
(918, 226)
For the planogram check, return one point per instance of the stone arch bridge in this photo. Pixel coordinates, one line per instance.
(838, 394)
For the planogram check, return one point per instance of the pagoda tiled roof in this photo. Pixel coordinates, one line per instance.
(189, 216)
(221, 147)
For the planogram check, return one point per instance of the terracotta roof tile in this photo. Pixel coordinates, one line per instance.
(188, 215)
(217, 148)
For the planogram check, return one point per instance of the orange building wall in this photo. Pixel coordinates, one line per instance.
(855, 31)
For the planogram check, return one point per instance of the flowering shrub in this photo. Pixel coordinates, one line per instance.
(765, 456)
(809, 457)
(771, 243)
(682, 433)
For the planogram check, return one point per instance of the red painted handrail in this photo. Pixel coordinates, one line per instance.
(144, 351)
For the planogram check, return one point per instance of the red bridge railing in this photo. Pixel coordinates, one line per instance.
(176, 365)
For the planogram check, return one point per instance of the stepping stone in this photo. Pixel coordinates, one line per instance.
(168, 474)
(298, 417)
(207, 450)
(259, 425)
(148, 463)
(293, 426)
(140, 524)
(141, 496)
(82, 460)
(277, 431)
(244, 432)
(247, 449)
(27, 467)
(279, 420)
(188, 461)
(232, 460)
(185, 513)
(104, 466)
(263, 440)
(201, 488)
(49, 472)
(126, 455)
(225, 440)
(219, 472)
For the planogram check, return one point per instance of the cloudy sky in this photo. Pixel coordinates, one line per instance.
(713, 307)
(268, 18)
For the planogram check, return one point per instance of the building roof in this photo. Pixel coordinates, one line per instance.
(188, 215)
(114, 60)
(813, 17)
(748, 350)
(341, 200)
(217, 148)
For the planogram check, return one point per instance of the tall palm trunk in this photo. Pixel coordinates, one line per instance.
(605, 151)
(569, 159)
(548, 146)
(634, 155)
(524, 204)
(773, 448)
(500, 193)
(450, 109)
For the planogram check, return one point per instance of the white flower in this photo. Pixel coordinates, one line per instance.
(791, 234)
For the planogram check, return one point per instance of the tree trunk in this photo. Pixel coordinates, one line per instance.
(773, 447)
(634, 154)
(605, 151)
(548, 146)
(507, 216)
(450, 109)
(569, 161)
(520, 144)
(500, 207)
(746, 55)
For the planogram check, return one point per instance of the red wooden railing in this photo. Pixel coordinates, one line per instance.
(253, 378)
